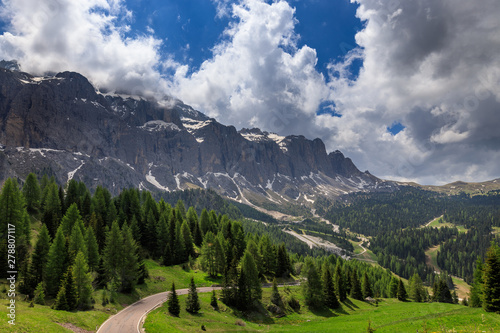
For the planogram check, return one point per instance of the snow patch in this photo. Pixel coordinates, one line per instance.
(200, 140)
(152, 180)
(159, 125)
(193, 125)
(71, 174)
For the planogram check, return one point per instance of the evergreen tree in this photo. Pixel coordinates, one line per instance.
(39, 294)
(92, 250)
(52, 212)
(205, 225)
(40, 256)
(179, 248)
(72, 195)
(70, 219)
(143, 273)
(192, 220)
(416, 288)
(112, 255)
(243, 295)
(339, 282)
(83, 282)
(192, 301)
(275, 294)
(283, 266)
(312, 288)
(69, 287)
(249, 268)
(32, 194)
(268, 255)
(188, 239)
(208, 256)
(476, 290)
(61, 303)
(356, 292)
(129, 262)
(330, 298)
(213, 299)
(491, 278)
(57, 264)
(254, 250)
(393, 287)
(76, 244)
(366, 288)
(179, 206)
(402, 295)
(173, 302)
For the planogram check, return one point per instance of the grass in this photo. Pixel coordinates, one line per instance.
(439, 223)
(44, 319)
(389, 316)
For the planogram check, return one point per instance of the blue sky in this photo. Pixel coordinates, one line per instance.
(407, 89)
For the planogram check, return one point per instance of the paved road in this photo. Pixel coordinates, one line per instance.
(130, 319)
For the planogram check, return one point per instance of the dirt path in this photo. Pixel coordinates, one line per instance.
(428, 223)
(313, 241)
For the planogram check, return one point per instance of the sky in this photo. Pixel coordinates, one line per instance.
(409, 90)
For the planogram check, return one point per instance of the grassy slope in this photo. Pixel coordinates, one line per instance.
(390, 316)
(439, 223)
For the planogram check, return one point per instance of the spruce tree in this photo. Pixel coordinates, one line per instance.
(283, 266)
(254, 250)
(393, 287)
(243, 294)
(32, 194)
(476, 290)
(416, 288)
(188, 240)
(52, 210)
(173, 302)
(76, 244)
(192, 301)
(93, 256)
(249, 268)
(402, 295)
(39, 294)
(312, 287)
(61, 303)
(366, 288)
(112, 255)
(275, 294)
(129, 266)
(209, 255)
(69, 286)
(40, 256)
(330, 298)
(72, 195)
(356, 292)
(213, 300)
(192, 220)
(70, 219)
(205, 225)
(339, 282)
(57, 264)
(83, 282)
(491, 278)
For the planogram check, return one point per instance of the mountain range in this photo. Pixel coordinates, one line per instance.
(61, 125)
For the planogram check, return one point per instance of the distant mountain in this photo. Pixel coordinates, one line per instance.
(62, 126)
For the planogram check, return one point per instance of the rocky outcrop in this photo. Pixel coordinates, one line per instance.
(62, 126)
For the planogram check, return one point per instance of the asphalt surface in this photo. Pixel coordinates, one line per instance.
(130, 319)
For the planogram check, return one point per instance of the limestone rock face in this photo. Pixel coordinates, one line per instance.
(62, 126)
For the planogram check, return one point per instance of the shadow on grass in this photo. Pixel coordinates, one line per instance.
(350, 304)
(323, 311)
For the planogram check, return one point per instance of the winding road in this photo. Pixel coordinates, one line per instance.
(131, 319)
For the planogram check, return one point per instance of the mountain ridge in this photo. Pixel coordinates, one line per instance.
(61, 125)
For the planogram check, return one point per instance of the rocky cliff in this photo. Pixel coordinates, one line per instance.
(62, 126)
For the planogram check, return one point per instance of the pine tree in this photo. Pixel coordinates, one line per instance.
(209, 255)
(417, 290)
(143, 273)
(188, 239)
(476, 290)
(173, 302)
(70, 219)
(83, 282)
(205, 225)
(243, 295)
(192, 219)
(52, 210)
(268, 255)
(192, 301)
(69, 286)
(180, 254)
(213, 300)
(330, 298)
(93, 256)
(393, 287)
(339, 282)
(312, 288)
(402, 295)
(39, 294)
(112, 255)
(32, 194)
(72, 196)
(275, 294)
(249, 268)
(129, 261)
(61, 303)
(356, 292)
(254, 250)
(40, 255)
(57, 264)
(491, 278)
(366, 288)
(76, 244)
(283, 267)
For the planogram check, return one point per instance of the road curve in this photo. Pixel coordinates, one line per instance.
(130, 319)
